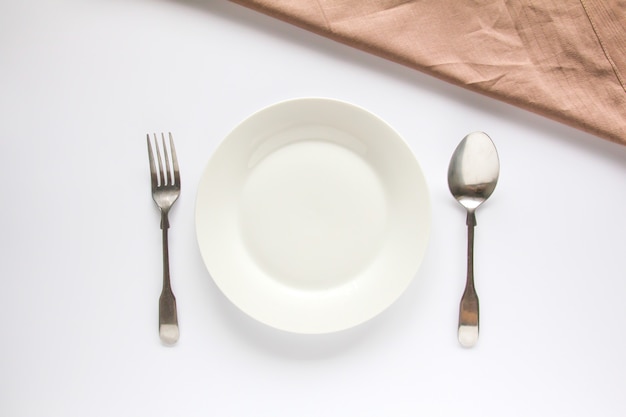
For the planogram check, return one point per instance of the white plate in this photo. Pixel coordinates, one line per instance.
(313, 215)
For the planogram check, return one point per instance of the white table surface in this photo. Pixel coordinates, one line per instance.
(82, 82)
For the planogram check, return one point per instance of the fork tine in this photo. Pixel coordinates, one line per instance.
(174, 162)
(166, 159)
(153, 176)
(160, 161)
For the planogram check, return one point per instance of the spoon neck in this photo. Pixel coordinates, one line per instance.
(471, 222)
(471, 219)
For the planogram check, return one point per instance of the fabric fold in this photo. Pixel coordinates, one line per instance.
(563, 59)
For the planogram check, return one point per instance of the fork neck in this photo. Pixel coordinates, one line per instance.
(165, 223)
(166, 255)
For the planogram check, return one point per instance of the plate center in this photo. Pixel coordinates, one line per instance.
(313, 214)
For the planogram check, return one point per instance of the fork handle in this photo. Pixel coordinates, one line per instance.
(168, 316)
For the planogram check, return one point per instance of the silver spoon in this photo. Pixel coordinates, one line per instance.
(472, 177)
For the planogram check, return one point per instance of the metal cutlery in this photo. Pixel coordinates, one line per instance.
(165, 179)
(472, 177)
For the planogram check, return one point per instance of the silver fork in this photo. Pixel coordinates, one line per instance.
(165, 178)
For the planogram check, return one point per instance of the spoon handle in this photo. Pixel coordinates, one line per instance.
(468, 312)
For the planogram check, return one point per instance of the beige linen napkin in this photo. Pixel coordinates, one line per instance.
(564, 59)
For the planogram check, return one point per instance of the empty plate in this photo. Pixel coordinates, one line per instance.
(313, 215)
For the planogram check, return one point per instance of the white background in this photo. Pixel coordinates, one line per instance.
(82, 82)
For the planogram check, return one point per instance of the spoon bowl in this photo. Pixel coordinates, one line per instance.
(474, 170)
